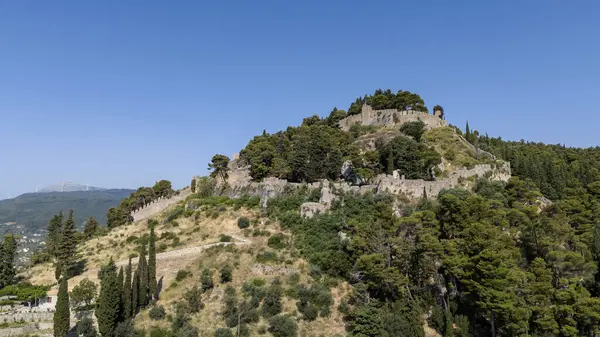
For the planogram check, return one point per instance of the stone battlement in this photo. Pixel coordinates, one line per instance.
(159, 205)
(390, 118)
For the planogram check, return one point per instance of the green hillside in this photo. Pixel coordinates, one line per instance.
(33, 210)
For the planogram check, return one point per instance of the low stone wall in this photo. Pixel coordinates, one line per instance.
(159, 205)
(11, 317)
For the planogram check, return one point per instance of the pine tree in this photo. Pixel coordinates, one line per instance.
(121, 296)
(107, 311)
(67, 245)
(62, 315)
(54, 228)
(127, 293)
(90, 228)
(143, 277)
(135, 292)
(152, 286)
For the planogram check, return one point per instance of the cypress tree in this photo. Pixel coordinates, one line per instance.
(127, 292)
(135, 292)
(109, 302)
(468, 133)
(54, 227)
(8, 252)
(67, 248)
(143, 276)
(62, 315)
(152, 286)
(390, 162)
(121, 305)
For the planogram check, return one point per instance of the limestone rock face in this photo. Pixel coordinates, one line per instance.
(349, 173)
(310, 209)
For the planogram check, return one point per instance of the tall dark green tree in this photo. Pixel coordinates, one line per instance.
(67, 246)
(135, 293)
(120, 281)
(143, 278)
(62, 315)
(152, 285)
(54, 228)
(127, 310)
(8, 252)
(109, 301)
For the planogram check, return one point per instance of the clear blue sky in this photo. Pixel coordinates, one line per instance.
(124, 93)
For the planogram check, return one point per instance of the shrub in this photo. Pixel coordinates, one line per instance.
(283, 326)
(278, 241)
(243, 222)
(206, 280)
(226, 274)
(266, 257)
(223, 332)
(225, 238)
(194, 299)
(157, 313)
(272, 302)
(314, 301)
(182, 274)
(160, 332)
(175, 213)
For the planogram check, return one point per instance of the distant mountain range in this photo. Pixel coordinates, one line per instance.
(69, 187)
(28, 214)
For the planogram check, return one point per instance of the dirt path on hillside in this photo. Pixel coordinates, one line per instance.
(166, 262)
(179, 253)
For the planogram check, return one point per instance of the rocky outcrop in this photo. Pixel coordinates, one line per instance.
(310, 209)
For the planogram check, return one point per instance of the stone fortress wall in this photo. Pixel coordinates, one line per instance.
(240, 183)
(159, 205)
(390, 118)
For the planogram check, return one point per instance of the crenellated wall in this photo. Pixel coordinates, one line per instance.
(159, 205)
(390, 117)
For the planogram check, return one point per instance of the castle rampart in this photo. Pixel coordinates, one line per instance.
(390, 117)
(159, 205)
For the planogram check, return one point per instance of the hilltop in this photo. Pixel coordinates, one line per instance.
(382, 220)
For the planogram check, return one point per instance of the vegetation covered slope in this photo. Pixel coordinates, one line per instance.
(484, 262)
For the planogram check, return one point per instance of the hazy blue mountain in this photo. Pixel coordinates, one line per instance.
(28, 214)
(69, 187)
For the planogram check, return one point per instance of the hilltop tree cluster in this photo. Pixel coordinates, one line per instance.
(318, 148)
(386, 99)
(121, 215)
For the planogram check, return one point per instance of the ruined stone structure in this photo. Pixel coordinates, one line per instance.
(390, 118)
(239, 182)
(159, 205)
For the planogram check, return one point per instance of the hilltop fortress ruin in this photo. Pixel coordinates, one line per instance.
(239, 181)
(392, 118)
